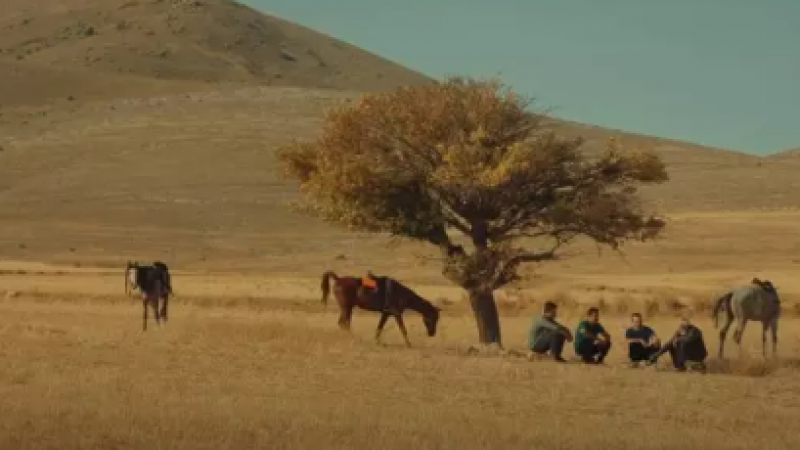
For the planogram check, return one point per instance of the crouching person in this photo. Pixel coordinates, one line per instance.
(547, 335)
(642, 341)
(592, 342)
(686, 345)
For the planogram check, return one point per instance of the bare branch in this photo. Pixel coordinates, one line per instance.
(508, 273)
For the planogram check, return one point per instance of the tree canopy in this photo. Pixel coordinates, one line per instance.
(469, 156)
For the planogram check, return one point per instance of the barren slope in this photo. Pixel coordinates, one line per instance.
(707, 178)
(789, 156)
(193, 175)
(200, 40)
(33, 85)
(189, 165)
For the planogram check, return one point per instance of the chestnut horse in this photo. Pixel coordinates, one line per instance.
(350, 293)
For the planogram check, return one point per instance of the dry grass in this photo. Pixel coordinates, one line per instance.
(77, 375)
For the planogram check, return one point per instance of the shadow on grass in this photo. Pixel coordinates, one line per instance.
(750, 367)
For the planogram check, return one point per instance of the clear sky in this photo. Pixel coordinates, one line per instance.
(717, 72)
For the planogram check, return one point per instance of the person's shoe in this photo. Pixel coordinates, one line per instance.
(559, 359)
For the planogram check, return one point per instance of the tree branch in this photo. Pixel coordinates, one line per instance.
(509, 274)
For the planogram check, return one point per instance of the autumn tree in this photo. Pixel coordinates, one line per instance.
(466, 165)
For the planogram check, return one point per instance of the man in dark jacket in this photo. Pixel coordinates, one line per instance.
(685, 346)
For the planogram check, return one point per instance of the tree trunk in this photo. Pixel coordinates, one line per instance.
(486, 316)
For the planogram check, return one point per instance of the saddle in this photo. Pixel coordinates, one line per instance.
(764, 284)
(380, 291)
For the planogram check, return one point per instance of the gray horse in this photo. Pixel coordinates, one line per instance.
(756, 301)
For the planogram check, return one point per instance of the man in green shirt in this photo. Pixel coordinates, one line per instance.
(547, 335)
(592, 342)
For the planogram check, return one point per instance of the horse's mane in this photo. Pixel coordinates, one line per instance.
(414, 297)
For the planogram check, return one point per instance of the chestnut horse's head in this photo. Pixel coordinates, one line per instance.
(412, 300)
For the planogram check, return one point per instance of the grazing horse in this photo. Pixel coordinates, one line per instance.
(350, 292)
(756, 301)
(155, 284)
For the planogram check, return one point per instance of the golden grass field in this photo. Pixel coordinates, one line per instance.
(111, 149)
(79, 373)
(253, 360)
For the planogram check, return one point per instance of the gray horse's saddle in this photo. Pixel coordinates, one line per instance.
(764, 284)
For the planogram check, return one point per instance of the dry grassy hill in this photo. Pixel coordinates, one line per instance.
(705, 178)
(108, 123)
(28, 84)
(190, 41)
(790, 155)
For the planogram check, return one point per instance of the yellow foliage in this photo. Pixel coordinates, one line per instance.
(467, 154)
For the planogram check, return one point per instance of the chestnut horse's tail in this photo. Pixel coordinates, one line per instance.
(326, 288)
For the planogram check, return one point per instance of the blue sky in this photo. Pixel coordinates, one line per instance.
(717, 72)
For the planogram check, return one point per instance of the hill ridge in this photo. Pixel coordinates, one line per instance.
(200, 40)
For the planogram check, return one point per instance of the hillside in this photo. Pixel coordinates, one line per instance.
(194, 41)
(705, 178)
(26, 84)
(92, 149)
(790, 155)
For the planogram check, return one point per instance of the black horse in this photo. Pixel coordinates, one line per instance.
(155, 283)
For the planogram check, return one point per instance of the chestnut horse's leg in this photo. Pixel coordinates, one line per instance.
(381, 323)
(345, 316)
(399, 318)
